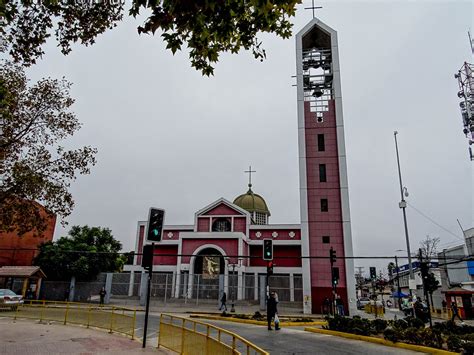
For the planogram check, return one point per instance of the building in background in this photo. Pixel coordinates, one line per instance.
(457, 276)
(16, 250)
(200, 258)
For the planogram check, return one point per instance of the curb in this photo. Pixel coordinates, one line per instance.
(419, 348)
(255, 322)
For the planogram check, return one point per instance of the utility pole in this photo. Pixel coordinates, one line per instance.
(424, 269)
(403, 206)
(398, 285)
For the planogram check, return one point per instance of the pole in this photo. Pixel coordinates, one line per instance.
(148, 291)
(403, 206)
(398, 285)
(333, 307)
(425, 291)
(232, 309)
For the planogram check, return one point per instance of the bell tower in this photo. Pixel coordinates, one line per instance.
(324, 197)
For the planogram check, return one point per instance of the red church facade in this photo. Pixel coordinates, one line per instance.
(235, 231)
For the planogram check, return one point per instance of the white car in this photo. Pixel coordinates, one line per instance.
(9, 299)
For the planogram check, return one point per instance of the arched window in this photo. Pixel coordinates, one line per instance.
(221, 225)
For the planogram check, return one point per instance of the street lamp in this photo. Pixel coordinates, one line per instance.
(234, 265)
(403, 205)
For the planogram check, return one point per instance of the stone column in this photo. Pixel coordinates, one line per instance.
(292, 288)
(108, 287)
(143, 288)
(131, 283)
(255, 290)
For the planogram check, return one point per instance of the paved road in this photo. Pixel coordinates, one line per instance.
(289, 340)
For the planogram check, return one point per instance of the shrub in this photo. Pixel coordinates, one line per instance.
(454, 343)
(257, 316)
(412, 336)
(391, 334)
(414, 322)
(431, 338)
(400, 324)
(379, 325)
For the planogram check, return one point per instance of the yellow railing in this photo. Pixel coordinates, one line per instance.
(187, 336)
(111, 318)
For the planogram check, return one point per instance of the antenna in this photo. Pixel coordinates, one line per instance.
(471, 41)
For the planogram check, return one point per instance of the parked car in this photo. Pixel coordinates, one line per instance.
(9, 299)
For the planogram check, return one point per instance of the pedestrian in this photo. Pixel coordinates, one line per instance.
(326, 305)
(102, 294)
(272, 311)
(444, 305)
(66, 294)
(455, 311)
(223, 302)
(420, 310)
(29, 294)
(339, 305)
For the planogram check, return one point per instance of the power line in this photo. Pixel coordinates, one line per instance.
(434, 222)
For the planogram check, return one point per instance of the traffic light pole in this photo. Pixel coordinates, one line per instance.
(333, 306)
(398, 285)
(424, 274)
(148, 291)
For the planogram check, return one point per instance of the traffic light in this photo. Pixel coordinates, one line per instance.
(332, 255)
(270, 268)
(147, 256)
(373, 273)
(267, 249)
(335, 276)
(424, 268)
(156, 218)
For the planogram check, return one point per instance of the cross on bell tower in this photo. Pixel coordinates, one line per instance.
(313, 8)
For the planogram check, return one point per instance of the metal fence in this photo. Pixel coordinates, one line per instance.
(184, 287)
(187, 336)
(113, 319)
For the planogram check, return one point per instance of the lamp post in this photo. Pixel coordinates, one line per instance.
(403, 205)
(234, 265)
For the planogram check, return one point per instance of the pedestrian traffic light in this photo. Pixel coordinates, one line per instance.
(335, 276)
(270, 268)
(267, 249)
(147, 256)
(373, 272)
(156, 218)
(332, 255)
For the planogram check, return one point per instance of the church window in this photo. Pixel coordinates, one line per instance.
(260, 218)
(221, 225)
(321, 145)
(324, 205)
(326, 239)
(322, 172)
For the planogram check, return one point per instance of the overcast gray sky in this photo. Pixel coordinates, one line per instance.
(170, 138)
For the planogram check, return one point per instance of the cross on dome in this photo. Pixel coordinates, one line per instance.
(250, 171)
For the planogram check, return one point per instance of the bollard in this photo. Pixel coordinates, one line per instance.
(67, 311)
(134, 320)
(89, 316)
(112, 319)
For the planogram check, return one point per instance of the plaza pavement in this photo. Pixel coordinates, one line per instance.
(28, 337)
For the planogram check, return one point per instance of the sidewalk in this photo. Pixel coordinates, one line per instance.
(30, 337)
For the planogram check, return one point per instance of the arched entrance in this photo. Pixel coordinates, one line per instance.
(208, 274)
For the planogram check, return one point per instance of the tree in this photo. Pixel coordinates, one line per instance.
(34, 166)
(84, 253)
(429, 247)
(207, 27)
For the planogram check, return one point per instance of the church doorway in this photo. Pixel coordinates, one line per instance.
(208, 278)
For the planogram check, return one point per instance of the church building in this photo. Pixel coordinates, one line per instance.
(222, 249)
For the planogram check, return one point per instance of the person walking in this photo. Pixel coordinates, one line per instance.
(272, 311)
(102, 294)
(455, 311)
(339, 305)
(223, 302)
